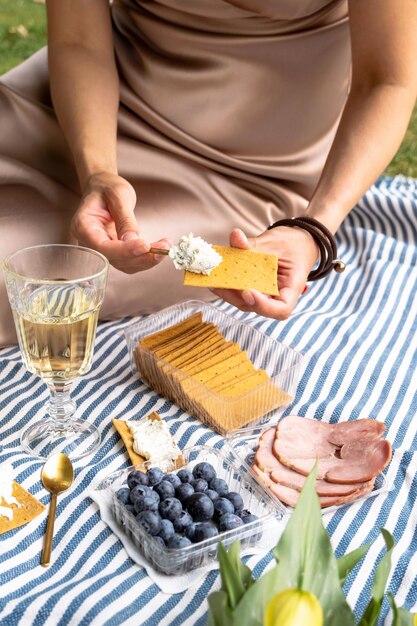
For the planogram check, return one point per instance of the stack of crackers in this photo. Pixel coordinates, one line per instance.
(192, 364)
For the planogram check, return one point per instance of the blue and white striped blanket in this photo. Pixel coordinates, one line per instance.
(358, 332)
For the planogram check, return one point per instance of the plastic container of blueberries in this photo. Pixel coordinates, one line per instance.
(244, 443)
(282, 364)
(239, 479)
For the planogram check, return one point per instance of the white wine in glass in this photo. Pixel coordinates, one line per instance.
(55, 292)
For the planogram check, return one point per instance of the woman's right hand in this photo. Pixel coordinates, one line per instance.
(105, 221)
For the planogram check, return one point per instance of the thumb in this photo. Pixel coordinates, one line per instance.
(238, 239)
(121, 204)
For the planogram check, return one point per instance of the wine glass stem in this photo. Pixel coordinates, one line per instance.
(60, 406)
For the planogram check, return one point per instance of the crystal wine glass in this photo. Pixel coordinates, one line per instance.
(55, 292)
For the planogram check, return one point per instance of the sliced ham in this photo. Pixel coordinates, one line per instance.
(290, 496)
(343, 433)
(268, 467)
(290, 478)
(348, 455)
(308, 436)
(358, 463)
(264, 457)
(313, 438)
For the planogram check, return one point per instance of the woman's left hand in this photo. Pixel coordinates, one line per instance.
(297, 253)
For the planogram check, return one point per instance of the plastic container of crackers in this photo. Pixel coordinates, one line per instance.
(264, 510)
(218, 368)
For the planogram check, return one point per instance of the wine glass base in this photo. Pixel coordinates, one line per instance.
(77, 439)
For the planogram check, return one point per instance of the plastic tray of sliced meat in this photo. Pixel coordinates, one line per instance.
(350, 456)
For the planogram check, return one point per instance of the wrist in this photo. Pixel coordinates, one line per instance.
(324, 240)
(89, 168)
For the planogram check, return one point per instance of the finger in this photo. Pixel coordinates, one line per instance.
(121, 202)
(238, 239)
(232, 296)
(279, 308)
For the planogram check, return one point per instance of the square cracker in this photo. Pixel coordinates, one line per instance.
(29, 508)
(240, 269)
(162, 336)
(127, 438)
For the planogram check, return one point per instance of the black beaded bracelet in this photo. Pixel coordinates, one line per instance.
(325, 241)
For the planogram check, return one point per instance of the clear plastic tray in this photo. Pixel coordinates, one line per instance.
(282, 364)
(239, 479)
(244, 443)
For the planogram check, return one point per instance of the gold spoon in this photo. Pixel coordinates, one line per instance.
(57, 475)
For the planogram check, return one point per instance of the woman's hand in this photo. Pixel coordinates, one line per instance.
(297, 253)
(106, 222)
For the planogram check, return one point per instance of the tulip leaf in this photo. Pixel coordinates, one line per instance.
(234, 574)
(219, 611)
(371, 613)
(347, 562)
(305, 560)
(250, 610)
(401, 616)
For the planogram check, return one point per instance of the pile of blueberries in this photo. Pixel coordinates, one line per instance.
(183, 508)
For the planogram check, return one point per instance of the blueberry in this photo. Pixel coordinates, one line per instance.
(145, 504)
(137, 478)
(184, 491)
(185, 475)
(235, 499)
(213, 495)
(204, 470)
(246, 519)
(124, 495)
(155, 475)
(173, 479)
(183, 520)
(155, 495)
(160, 541)
(150, 521)
(189, 531)
(167, 529)
(170, 508)
(200, 507)
(140, 491)
(219, 485)
(199, 484)
(177, 541)
(204, 530)
(222, 506)
(130, 508)
(164, 489)
(228, 521)
(242, 513)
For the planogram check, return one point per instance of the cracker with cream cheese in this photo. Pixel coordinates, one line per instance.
(127, 437)
(240, 269)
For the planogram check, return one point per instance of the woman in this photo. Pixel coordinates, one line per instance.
(216, 117)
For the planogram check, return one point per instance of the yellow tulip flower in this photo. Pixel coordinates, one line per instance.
(293, 607)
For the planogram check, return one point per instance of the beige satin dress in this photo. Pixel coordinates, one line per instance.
(228, 110)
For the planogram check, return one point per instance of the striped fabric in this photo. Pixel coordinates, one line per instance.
(358, 332)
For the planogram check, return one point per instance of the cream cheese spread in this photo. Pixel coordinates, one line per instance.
(152, 440)
(6, 487)
(195, 255)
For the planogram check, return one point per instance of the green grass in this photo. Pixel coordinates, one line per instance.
(15, 48)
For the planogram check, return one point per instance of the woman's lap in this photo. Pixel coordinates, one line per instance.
(39, 194)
